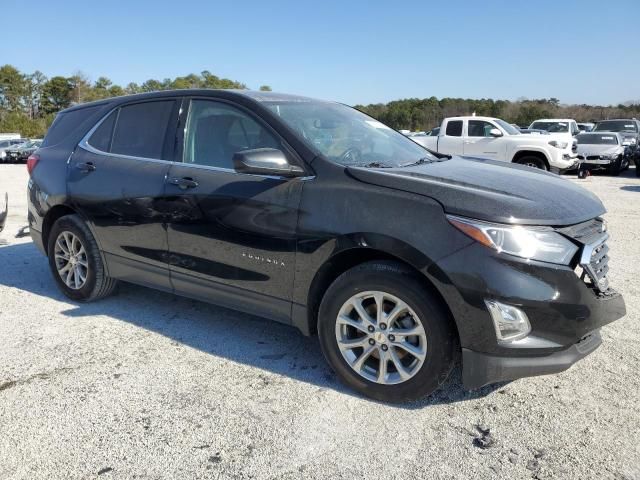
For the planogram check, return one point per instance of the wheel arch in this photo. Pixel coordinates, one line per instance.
(531, 153)
(348, 258)
(54, 213)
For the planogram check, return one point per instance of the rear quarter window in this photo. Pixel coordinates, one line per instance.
(65, 123)
(101, 138)
(454, 128)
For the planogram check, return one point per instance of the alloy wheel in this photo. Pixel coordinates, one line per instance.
(71, 260)
(381, 337)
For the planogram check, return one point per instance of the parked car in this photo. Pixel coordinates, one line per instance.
(7, 144)
(603, 151)
(533, 131)
(316, 215)
(20, 153)
(9, 136)
(565, 127)
(495, 139)
(585, 127)
(628, 128)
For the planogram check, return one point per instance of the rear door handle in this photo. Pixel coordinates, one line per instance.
(184, 183)
(86, 167)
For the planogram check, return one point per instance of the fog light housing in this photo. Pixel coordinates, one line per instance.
(510, 322)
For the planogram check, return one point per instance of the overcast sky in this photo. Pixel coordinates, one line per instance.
(350, 51)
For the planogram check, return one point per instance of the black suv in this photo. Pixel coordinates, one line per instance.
(316, 215)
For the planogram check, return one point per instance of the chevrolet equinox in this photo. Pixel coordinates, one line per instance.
(313, 214)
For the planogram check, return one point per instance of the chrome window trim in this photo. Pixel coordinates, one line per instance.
(85, 145)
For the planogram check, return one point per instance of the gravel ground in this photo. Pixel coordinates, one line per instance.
(148, 385)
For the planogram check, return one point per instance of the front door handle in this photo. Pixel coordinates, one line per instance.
(87, 167)
(184, 183)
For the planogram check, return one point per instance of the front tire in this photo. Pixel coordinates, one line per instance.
(533, 162)
(386, 335)
(615, 168)
(75, 261)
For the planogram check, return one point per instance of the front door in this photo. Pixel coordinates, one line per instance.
(478, 141)
(232, 236)
(116, 179)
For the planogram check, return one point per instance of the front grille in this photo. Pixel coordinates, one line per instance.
(594, 255)
(589, 157)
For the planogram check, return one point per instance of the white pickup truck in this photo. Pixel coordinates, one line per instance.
(492, 138)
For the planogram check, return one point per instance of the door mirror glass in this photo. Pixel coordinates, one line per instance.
(265, 161)
(494, 132)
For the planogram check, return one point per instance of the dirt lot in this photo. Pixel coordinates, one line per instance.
(148, 385)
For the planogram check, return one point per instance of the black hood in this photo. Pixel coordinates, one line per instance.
(492, 191)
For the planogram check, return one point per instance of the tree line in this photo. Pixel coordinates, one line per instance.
(424, 114)
(29, 101)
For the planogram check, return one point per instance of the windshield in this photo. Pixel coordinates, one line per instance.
(615, 126)
(597, 139)
(348, 137)
(507, 127)
(552, 127)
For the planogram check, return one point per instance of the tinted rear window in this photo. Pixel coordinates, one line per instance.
(65, 123)
(454, 128)
(141, 129)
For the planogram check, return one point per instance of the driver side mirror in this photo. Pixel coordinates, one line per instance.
(265, 161)
(494, 132)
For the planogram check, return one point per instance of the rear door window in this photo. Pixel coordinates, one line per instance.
(454, 128)
(141, 130)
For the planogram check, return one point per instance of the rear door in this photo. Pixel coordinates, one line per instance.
(450, 140)
(232, 236)
(478, 142)
(116, 179)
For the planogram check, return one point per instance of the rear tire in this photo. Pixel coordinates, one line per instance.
(75, 261)
(416, 363)
(532, 161)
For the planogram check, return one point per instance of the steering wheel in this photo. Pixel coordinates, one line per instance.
(351, 155)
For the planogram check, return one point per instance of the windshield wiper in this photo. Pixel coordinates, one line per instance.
(424, 160)
(375, 165)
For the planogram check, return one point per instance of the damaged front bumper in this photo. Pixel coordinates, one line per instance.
(482, 369)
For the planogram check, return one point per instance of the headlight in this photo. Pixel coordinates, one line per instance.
(558, 144)
(612, 156)
(535, 243)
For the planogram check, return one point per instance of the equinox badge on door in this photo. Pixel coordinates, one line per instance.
(259, 258)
